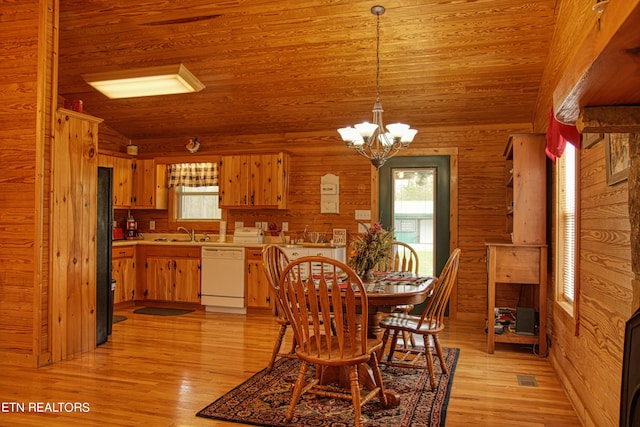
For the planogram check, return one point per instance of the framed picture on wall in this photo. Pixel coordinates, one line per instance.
(617, 157)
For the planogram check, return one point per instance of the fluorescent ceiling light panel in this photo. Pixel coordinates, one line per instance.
(152, 81)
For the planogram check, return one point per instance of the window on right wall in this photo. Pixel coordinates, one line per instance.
(567, 230)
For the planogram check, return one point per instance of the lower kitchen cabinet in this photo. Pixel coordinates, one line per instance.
(172, 273)
(123, 271)
(258, 296)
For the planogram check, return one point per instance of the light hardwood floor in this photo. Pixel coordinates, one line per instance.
(160, 371)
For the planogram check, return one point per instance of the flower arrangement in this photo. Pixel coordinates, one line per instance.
(369, 248)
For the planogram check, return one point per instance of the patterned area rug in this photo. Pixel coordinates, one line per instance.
(263, 399)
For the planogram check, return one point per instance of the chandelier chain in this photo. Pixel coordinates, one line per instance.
(378, 58)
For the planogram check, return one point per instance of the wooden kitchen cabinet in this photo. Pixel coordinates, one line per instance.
(122, 182)
(137, 183)
(172, 273)
(123, 264)
(149, 185)
(258, 297)
(74, 215)
(254, 181)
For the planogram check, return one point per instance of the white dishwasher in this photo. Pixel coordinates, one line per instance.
(222, 279)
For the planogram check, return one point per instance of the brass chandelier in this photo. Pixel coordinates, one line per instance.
(369, 139)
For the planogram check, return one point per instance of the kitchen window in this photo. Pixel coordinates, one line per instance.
(195, 191)
(197, 203)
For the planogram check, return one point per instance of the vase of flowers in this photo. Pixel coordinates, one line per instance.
(368, 249)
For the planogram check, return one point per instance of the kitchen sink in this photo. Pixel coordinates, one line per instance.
(181, 240)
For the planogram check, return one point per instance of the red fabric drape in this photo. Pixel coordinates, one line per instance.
(558, 134)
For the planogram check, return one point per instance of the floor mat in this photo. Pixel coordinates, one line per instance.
(162, 311)
(117, 319)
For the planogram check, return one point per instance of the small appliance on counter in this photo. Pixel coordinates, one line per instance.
(132, 228)
(118, 233)
(248, 235)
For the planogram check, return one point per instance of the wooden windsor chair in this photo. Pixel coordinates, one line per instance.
(315, 290)
(428, 324)
(274, 260)
(402, 257)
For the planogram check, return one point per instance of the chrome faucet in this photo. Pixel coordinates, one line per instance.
(192, 233)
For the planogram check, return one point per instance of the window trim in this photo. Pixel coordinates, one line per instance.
(571, 309)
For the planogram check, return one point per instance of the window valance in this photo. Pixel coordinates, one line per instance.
(192, 174)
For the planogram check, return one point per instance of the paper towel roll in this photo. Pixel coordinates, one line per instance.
(223, 231)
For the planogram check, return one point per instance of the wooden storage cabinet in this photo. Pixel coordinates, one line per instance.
(521, 259)
(510, 264)
(254, 181)
(122, 182)
(525, 187)
(123, 261)
(74, 181)
(172, 273)
(150, 185)
(137, 184)
(258, 295)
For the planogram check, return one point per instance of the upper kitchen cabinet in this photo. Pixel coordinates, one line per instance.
(122, 182)
(137, 184)
(150, 185)
(254, 181)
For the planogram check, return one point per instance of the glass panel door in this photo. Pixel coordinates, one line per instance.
(413, 212)
(414, 201)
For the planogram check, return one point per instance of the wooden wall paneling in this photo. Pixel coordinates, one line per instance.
(26, 60)
(110, 140)
(589, 364)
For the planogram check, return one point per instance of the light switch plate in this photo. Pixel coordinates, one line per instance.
(152, 225)
(363, 214)
(285, 226)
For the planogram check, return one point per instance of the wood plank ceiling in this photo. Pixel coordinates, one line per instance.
(279, 66)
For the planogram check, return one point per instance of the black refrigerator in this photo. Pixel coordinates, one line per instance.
(104, 287)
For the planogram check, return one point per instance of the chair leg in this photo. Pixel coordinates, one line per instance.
(436, 343)
(373, 362)
(355, 395)
(297, 391)
(392, 347)
(429, 356)
(276, 347)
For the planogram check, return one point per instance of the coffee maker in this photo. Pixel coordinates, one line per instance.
(132, 228)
